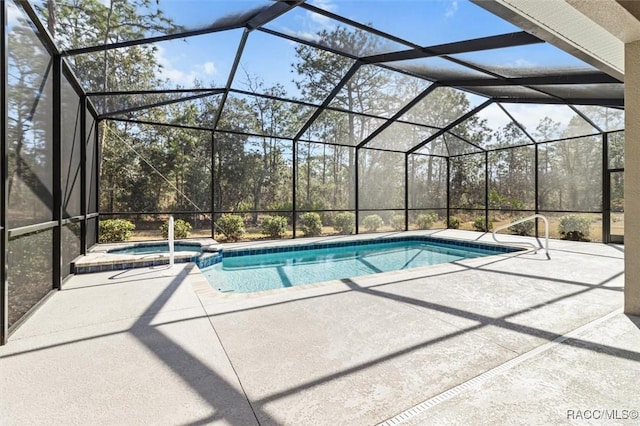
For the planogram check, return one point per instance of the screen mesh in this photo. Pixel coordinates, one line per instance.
(570, 174)
(381, 179)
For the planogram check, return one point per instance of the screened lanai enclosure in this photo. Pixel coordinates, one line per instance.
(377, 115)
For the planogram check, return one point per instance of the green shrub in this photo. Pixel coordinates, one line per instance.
(524, 228)
(372, 222)
(181, 229)
(312, 205)
(115, 230)
(574, 227)
(281, 206)
(231, 225)
(244, 206)
(345, 223)
(397, 222)
(425, 220)
(274, 226)
(497, 199)
(454, 222)
(311, 224)
(479, 225)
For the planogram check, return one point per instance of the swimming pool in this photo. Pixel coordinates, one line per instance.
(247, 271)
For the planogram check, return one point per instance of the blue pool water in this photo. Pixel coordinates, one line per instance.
(257, 272)
(154, 248)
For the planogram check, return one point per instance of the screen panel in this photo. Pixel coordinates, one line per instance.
(381, 221)
(325, 177)
(252, 174)
(427, 219)
(70, 247)
(343, 128)
(427, 182)
(29, 273)
(573, 226)
(512, 178)
(71, 150)
(92, 232)
(30, 125)
(381, 179)
(467, 181)
(149, 168)
(570, 175)
(91, 177)
(616, 150)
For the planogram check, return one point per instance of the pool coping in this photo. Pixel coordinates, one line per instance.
(500, 248)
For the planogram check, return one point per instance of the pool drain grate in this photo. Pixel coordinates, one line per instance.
(456, 390)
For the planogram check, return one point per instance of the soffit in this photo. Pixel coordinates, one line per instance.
(593, 30)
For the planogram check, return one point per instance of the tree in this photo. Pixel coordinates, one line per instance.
(607, 119)
(271, 175)
(319, 71)
(233, 162)
(511, 171)
(83, 23)
(381, 182)
(467, 181)
(427, 182)
(86, 23)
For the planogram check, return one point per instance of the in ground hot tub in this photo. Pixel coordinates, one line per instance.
(113, 257)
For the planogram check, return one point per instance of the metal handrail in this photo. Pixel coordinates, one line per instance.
(532, 217)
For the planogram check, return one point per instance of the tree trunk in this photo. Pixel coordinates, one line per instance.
(51, 18)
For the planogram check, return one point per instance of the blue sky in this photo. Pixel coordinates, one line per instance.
(209, 58)
(423, 22)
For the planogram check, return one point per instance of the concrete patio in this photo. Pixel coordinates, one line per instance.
(498, 340)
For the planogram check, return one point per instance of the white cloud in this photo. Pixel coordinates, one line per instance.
(327, 5)
(495, 117)
(530, 115)
(519, 63)
(451, 9)
(161, 59)
(321, 20)
(304, 35)
(209, 68)
(317, 22)
(309, 24)
(181, 76)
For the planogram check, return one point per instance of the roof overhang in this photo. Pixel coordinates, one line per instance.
(592, 30)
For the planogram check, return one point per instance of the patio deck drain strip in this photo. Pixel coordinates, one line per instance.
(478, 380)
